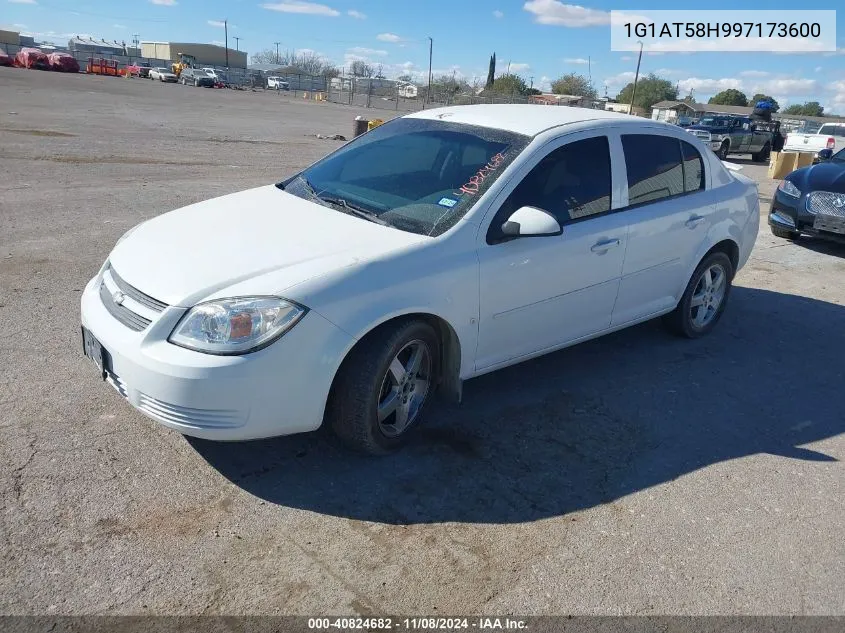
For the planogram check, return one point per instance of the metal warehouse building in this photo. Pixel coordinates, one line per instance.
(205, 54)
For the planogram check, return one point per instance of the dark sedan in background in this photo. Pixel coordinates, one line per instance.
(811, 201)
(195, 77)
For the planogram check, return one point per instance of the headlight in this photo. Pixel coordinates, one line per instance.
(236, 326)
(789, 189)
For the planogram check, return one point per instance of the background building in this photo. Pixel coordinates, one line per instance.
(205, 54)
(101, 47)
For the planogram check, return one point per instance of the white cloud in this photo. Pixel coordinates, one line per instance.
(118, 26)
(626, 58)
(709, 86)
(23, 1)
(620, 80)
(545, 84)
(518, 67)
(388, 37)
(557, 13)
(217, 23)
(670, 72)
(754, 73)
(299, 6)
(164, 3)
(217, 43)
(818, 69)
(576, 60)
(369, 52)
(352, 13)
(498, 14)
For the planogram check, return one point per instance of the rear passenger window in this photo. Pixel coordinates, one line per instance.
(571, 182)
(693, 168)
(654, 167)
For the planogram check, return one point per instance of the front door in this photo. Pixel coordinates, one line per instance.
(539, 293)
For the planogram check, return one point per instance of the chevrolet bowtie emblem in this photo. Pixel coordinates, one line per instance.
(118, 297)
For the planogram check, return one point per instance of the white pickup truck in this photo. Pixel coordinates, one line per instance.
(830, 136)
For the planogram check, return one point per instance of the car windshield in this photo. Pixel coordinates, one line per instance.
(715, 121)
(418, 175)
(162, 70)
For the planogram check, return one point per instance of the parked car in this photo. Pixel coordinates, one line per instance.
(277, 83)
(211, 73)
(163, 74)
(811, 201)
(195, 77)
(830, 136)
(734, 135)
(434, 248)
(143, 69)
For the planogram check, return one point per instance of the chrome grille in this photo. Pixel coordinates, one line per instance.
(131, 291)
(702, 134)
(124, 315)
(827, 203)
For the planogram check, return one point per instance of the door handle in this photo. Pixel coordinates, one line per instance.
(604, 245)
(694, 221)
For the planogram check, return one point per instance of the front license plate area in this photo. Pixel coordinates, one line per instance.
(829, 223)
(94, 350)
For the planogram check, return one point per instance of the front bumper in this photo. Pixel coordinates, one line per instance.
(279, 390)
(791, 214)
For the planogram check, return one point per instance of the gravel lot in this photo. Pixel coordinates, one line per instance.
(634, 474)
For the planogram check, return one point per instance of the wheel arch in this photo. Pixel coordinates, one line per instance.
(449, 370)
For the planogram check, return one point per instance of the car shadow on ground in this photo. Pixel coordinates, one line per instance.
(819, 245)
(583, 426)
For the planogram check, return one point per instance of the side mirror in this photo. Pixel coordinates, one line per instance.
(531, 222)
(824, 154)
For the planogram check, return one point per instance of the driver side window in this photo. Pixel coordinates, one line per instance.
(572, 182)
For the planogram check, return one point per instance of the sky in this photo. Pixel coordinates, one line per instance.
(537, 39)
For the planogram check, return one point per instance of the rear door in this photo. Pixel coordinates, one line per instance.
(669, 213)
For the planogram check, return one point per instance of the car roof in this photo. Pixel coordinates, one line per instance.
(528, 119)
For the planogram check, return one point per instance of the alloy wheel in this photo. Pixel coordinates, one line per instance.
(404, 388)
(708, 296)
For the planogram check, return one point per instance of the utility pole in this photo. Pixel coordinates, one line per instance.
(430, 53)
(636, 77)
(237, 42)
(532, 82)
(277, 51)
(226, 32)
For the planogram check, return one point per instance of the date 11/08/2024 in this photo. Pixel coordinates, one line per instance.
(416, 624)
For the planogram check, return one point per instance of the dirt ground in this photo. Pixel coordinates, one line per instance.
(635, 474)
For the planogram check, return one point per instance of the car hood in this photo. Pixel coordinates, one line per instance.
(822, 177)
(196, 252)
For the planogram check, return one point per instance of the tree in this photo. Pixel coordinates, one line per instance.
(761, 97)
(574, 84)
(491, 72)
(406, 77)
(379, 71)
(811, 108)
(510, 84)
(731, 96)
(360, 68)
(650, 90)
(267, 56)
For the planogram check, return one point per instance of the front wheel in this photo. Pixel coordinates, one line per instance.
(383, 386)
(785, 234)
(723, 151)
(704, 300)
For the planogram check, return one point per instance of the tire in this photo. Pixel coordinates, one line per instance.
(784, 233)
(763, 155)
(687, 320)
(369, 380)
(723, 151)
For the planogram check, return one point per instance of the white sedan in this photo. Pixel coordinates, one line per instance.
(435, 248)
(163, 74)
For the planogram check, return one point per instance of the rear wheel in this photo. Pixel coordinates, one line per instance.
(704, 299)
(763, 155)
(383, 386)
(785, 234)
